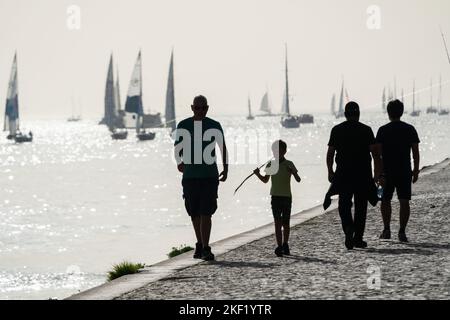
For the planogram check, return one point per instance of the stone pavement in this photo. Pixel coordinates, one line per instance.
(321, 268)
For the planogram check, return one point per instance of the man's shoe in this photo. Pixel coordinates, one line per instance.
(360, 244)
(198, 251)
(286, 250)
(402, 237)
(207, 255)
(385, 235)
(279, 251)
(349, 244)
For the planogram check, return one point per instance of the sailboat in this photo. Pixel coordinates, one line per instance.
(287, 120)
(414, 113)
(265, 106)
(383, 101)
(170, 99)
(250, 116)
(431, 108)
(340, 112)
(442, 112)
(11, 122)
(333, 105)
(134, 101)
(73, 117)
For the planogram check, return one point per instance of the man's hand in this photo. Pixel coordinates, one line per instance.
(331, 176)
(223, 176)
(181, 167)
(415, 176)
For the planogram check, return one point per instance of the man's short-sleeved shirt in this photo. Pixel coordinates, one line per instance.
(396, 139)
(281, 178)
(200, 162)
(352, 141)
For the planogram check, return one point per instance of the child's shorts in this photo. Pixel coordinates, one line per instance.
(281, 208)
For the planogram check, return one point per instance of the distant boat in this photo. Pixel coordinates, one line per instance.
(287, 120)
(383, 100)
(170, 117)
(11, 122)
(340, 112)
(333, 105)
(73, 117)
(431, 108)
(250, 116)
(265, 106)
(414, 113)
(134, 101)
(442, 112)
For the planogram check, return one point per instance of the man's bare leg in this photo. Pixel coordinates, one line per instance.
(205, 230)
(405, 211)
(196, 222)
(386, 213)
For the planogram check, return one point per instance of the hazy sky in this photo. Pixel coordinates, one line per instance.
(223, 49)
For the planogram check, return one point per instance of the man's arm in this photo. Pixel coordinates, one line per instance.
(375, 150)
(223, 148)
(416, 157)
(330, 161)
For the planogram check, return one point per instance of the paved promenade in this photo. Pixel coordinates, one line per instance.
(321, 268)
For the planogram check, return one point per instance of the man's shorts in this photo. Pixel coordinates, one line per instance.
(200, 196)
(281, 208)
(401, 183)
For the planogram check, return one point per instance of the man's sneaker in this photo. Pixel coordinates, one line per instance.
(402, 237)
(207, 255)
(279, 251)
(198, 251)
(360, 244)
(385, 235)
(286, 250)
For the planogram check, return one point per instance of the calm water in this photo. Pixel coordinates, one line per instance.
(75, 202)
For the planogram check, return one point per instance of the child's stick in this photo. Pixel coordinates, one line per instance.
(249, 177)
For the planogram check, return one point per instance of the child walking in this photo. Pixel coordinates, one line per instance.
(279, 171)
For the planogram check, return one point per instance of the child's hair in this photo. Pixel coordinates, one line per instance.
(280, 144)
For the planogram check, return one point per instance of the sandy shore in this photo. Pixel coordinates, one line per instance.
(321, 268)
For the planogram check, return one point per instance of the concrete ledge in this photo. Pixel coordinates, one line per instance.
(122, 285)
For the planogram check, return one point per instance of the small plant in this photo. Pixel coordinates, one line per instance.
(123, 269)
(177, 251)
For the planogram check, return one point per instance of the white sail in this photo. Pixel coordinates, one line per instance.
(170, 98)
(341, 101)
(249, 108)
(265, 103)
(333, 104)
(11, 123)
(134, 95)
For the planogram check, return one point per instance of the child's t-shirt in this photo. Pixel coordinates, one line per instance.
(281, 178)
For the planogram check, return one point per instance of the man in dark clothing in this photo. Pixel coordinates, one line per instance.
(353, 143)
(396, 140)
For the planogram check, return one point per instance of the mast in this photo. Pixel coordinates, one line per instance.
(333, 104)
(414, 95)
(170, 97)
(287, 109)
(383, 100)
(249, 107)
(431, 93)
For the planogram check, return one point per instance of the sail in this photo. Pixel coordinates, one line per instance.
(414, 96)
(341, 101)
(109, 96)
(133, 103)
(383, 100)
(11, 123)
(249, 108)
(285, 106)
(333, 105)
(170, 98)
(265, 103)
(119, 120)
(431, 93)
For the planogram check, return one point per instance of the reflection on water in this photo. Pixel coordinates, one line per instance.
(76, 200)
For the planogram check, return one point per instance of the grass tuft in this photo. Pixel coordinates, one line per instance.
(123, 269)
(177, 251)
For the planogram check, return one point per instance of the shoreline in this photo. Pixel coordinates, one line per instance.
(164, 269)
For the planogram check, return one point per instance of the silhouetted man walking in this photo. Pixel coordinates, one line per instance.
(196, 138)
(397, 139)
(352, 142)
